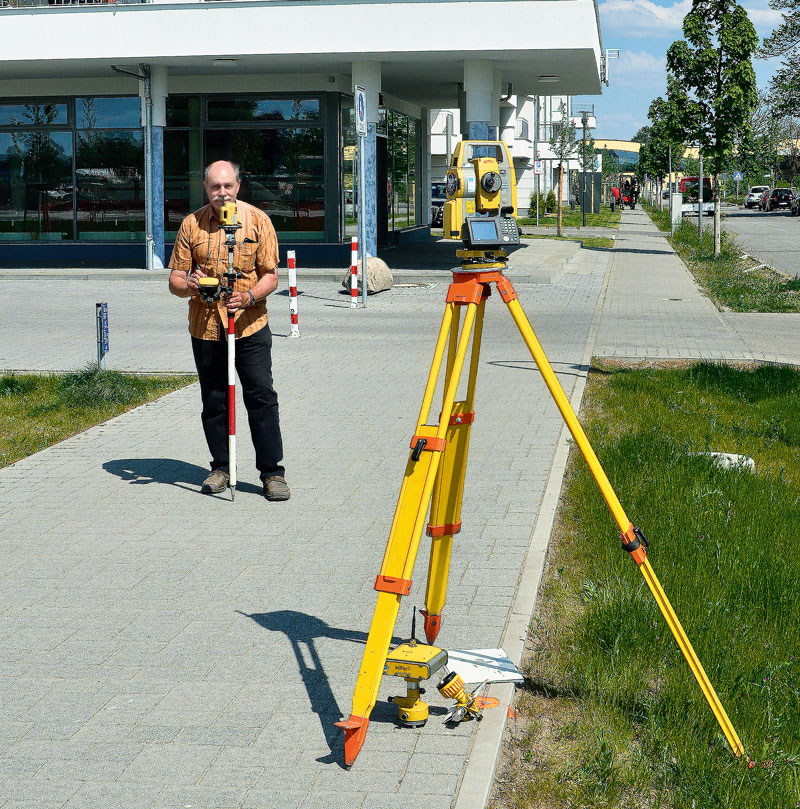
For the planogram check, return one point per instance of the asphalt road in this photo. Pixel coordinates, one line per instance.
(773, 238)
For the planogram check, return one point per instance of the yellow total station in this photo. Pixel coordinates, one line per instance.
(480, 181)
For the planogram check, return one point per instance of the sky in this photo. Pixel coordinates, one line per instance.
(643, 30)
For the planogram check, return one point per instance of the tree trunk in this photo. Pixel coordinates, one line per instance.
(560, 177)
(717, 220)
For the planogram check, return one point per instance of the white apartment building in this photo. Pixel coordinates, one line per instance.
(109, 112)
(525, 123)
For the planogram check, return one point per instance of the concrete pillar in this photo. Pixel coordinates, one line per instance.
(497, 92)
(424, 161)
(479, 88)
(368, 76)
(158, 92)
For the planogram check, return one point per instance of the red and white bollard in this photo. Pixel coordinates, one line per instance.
(295, 332)
(354, 272)
(232, 402)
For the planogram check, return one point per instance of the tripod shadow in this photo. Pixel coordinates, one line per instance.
(303, 631)
(188, 476)
(530, 365)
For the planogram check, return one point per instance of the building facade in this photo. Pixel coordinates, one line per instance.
(109, 113)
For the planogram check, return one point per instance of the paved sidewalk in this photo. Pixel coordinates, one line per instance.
(165, 649)
(653, 308)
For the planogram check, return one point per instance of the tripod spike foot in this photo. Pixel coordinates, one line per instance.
(233, 493)
(355, 730)
(433, 623)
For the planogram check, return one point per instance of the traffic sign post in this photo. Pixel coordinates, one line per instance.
(360, 101)
(538, 170)
(738, 176)
(101, 316)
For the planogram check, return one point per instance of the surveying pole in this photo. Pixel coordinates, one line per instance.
(230, 226)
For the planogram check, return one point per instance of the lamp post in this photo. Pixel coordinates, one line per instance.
(584, 158)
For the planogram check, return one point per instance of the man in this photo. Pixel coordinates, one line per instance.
(200, 250)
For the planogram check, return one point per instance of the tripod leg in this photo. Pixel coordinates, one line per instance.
(394, 580)
(632, 538)
(448, 490)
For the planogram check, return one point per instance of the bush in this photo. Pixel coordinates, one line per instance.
(550, 202)
(542, 204)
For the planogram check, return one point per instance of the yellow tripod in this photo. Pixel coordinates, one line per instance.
(435, 475)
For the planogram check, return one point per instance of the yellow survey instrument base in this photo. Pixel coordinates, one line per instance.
(417, 661)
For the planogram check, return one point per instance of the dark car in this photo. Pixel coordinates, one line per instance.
(780, 198)
(795, 206)
(438, 199)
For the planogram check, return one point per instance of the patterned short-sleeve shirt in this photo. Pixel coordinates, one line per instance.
(201, 243)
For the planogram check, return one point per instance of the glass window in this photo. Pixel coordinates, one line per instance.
(349, 158)
(36, 186)
(33, 114)
(183, 111)
(260, 109)
(110, 185)
(108, 113)
(282, 173)
(183, 177)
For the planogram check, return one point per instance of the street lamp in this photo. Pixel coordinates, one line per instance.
(585, 124)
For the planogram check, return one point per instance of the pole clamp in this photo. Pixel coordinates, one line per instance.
(634, 542)
(422, 443)
(393, 584)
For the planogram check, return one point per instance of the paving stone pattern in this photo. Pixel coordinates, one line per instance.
(164, 649)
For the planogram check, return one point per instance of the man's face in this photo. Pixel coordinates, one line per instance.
(221, 185)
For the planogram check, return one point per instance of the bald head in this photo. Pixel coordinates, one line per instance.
(221, 183)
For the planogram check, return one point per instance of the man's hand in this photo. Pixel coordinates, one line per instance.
(192, 280)
(239, 300)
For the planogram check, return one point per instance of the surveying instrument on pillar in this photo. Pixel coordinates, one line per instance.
(481, 211)
(211, 290)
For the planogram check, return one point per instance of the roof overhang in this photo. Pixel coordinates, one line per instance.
(421, 45)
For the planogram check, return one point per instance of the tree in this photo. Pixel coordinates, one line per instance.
(663, 136)
(564, 145)
(712, 84)
(785, 41)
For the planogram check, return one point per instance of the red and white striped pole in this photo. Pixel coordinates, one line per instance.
(354, 272)
(232, 402)
(295, 332)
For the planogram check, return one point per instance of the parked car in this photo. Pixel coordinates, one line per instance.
(780, 198)
(438, 199)
(794, 209)
(754, 195)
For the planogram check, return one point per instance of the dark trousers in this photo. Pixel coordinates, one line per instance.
(254, 367)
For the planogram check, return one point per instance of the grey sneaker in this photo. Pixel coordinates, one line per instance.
(216, 482)
(275, 488)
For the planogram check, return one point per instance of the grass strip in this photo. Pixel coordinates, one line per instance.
(732, 280)
(610, 715)
(38, 410)
(604, 218)
(597, 242)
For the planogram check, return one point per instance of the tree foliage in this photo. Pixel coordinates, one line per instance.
(784, 41)
(662, 135)
(712, 84)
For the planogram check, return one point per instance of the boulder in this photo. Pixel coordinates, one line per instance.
(379, 276)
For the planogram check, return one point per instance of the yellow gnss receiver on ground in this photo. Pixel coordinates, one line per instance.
(480, 182)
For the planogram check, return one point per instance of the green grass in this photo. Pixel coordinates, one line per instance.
(37, 411)
(732, 282)
(660, 217)
(602, 242)
(572, 219)
(610, 715)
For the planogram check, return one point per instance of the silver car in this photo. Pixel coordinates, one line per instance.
(753, 198)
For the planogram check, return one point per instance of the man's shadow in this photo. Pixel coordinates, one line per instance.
(168, 471)
(303, 630)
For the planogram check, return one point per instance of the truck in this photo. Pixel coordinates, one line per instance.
(688, 186)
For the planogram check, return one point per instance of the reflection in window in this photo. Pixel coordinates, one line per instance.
(349, 163)
(110, 185)
(36, 185)
(261, 109)
(282, 173)
(183, 177)
(107, 113)
(33, 114)
(183, 111)
(402, 168)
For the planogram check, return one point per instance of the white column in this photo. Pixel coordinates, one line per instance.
(479, 88)
(497, 91)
